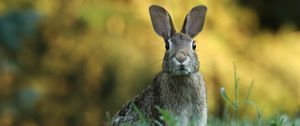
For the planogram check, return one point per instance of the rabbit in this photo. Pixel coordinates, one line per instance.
(179, 88)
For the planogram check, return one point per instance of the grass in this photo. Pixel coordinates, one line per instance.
(235, 120)
(231, 118)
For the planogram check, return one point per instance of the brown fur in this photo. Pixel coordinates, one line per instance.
(179, 88)
(184, 97)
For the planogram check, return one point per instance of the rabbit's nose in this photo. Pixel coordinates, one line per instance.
(181, 57)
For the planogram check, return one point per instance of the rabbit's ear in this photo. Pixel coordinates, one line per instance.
(161, 21)
(194, 21)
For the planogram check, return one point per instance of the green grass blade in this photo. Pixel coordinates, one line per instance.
(249, 90)
(224, 95)
(143, 120)
(236, 86)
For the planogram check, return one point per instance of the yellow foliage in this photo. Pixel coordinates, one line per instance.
(118, 45)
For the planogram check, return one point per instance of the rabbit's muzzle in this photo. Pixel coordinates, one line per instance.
(181, 64)
(181, 58)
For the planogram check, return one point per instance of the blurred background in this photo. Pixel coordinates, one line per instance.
(75, 62)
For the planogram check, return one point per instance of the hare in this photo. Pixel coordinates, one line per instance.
(179, 88)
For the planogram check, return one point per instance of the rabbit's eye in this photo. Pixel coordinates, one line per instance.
(194, 45)
(167, 46)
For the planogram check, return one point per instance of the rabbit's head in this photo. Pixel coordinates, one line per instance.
(180, 56)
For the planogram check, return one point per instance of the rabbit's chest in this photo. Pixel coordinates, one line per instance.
(183, 105)
(185, 100)
(184, 114)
